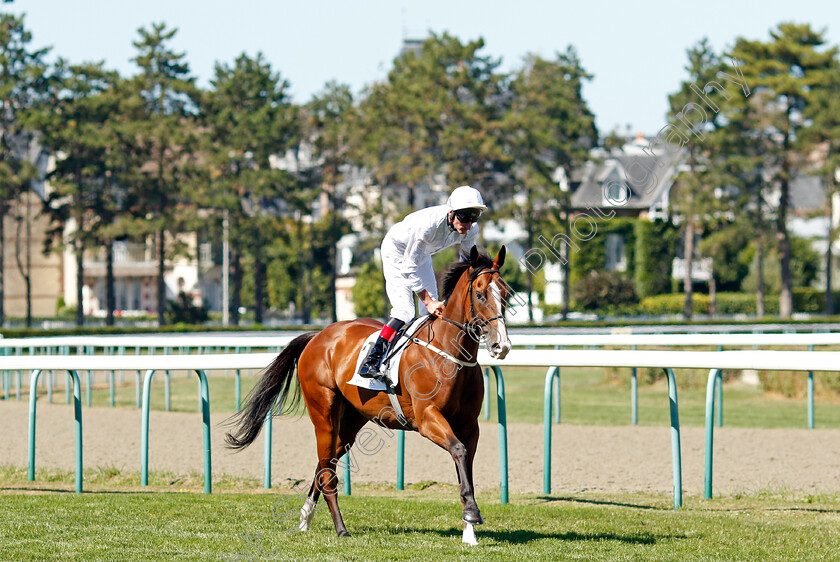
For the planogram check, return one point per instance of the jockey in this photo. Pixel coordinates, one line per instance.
(407, 262)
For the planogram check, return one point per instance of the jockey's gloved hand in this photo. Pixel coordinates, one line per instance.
(435, 307)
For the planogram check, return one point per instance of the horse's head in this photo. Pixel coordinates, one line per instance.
(487, 295)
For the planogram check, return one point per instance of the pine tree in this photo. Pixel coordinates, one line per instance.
(824, 132)
(23, 82)
(693, 196)
(251, 119)
(75, 127)
(547, 127)
(434, 119)
(329, 123)
(161, 130)
(790, 68)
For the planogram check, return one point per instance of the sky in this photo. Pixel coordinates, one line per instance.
(636, 50)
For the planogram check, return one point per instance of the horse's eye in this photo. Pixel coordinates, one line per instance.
(480, 296)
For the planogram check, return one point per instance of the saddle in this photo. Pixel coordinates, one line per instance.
(390, 364)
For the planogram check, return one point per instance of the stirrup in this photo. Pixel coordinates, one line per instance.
(372, 367)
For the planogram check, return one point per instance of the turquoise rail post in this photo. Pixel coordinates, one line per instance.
(167, 379)
(810, 395)
(144, 431)
(503, 452)
(267, 449)
(486, 393)
(675, 437)
(167, 393)
(714, 375)
(238, 397)
(4, 375)
(110, 351)
(89, 388)
(77, 413)
(346, 475)
(238, 383)
(121, 352)
(634, 396)
(551, 374)
(32, 400)
(205, 419)
(18, 382)
(401, 459)
(68, 384)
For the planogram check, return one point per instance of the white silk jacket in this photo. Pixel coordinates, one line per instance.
(410, 243)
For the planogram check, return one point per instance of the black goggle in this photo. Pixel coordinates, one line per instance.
(468, 215)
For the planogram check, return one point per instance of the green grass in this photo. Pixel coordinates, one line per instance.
(588, 397)
(410, 525)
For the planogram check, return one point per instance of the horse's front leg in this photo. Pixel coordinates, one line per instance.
(435, 428)
(469, 437)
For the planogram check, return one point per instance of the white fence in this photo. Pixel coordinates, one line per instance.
(669, 360)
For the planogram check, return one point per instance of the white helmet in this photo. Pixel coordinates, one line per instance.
(466, 197)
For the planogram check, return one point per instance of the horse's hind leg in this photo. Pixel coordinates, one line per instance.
(435, 428)
(308, 509)
(335, 433)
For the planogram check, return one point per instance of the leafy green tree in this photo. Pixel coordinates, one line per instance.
(547, 127)
(330, 118)
(369, 290)
(162, 130)
(23, 81)
(76, 127)
(434, 119)
(790, 67)
(824, 115)
(693, 197)
(724, 245)
(251, 119)
(742, 151)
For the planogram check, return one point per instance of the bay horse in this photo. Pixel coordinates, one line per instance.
(441, 398)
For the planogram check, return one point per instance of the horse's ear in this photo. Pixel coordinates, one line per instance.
(474, 255)
(500, 258)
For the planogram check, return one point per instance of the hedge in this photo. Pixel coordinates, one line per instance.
(804, 300)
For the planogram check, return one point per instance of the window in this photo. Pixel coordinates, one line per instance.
(616, 260)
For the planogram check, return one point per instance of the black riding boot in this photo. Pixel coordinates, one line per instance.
(373, 362)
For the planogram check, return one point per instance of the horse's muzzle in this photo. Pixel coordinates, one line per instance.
(499, 350)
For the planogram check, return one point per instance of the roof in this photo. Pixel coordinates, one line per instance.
(630, 166)
(807, 193)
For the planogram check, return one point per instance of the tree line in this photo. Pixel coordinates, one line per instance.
(153, 155)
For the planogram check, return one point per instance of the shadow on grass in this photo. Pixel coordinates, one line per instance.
(524, 536)
(551, 499)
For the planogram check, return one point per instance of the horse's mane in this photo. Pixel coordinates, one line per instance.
(456, 269)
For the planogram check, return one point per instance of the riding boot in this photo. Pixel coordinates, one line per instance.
(373, 362)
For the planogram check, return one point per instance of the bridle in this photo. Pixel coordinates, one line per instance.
(474, 323)
(469, 327)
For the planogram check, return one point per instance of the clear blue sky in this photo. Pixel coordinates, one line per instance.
(636, 50)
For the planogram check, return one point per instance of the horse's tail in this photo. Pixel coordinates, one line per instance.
(276, 381)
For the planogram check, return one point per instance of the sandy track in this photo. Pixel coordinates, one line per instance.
(603, 459)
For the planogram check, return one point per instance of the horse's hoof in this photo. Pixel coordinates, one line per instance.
(473, 516)
(343, 533)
